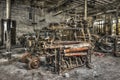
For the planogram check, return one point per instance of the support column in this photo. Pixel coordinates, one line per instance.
(8, 9)
(110, 24)
(85, 13)
(117, 11)
(8, 32)
(105, 24)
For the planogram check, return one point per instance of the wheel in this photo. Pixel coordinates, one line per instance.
(106, 43)
(33, 64)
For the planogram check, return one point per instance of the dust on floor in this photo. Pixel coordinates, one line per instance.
(104, 68)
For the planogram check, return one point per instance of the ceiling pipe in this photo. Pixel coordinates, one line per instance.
(60, 12)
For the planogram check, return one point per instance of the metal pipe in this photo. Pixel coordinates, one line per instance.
(8, 9)
(85, 15)
(8, 32)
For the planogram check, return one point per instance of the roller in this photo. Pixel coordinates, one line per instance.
(75, 54)
(71, 50)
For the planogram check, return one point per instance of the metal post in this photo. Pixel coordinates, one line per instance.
(105, 24)
(8, 32)
(85, 15)
(110, 21)
(117, 31)
(8, 9)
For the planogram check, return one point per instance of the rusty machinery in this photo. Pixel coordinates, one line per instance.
(61, 56)
(60, 47)
(55, 34)
(116, 49)
(109, 42)
(76, 32)
(68, 55)
(106, 43)
(57, 51)
(32, 61)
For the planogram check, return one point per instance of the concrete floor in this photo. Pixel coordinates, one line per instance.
(104, 68)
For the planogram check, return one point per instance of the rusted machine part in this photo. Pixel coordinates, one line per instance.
(95, 37)
(30, 43)
(84, 59)
(71, 56)
(67, 42)
(34, 63)
(70, 62)
(72, 50)
(106, 43)
(69, 46)
(74, 57)
(116, 51)
(83, 44)
(25, 56)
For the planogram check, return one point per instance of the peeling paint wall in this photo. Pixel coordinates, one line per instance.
(24, 24)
